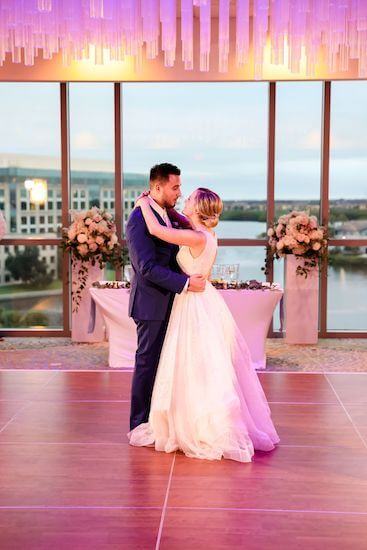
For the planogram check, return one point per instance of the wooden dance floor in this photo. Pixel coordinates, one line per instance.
(69, 480)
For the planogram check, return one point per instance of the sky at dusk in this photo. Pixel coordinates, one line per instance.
(215, 132)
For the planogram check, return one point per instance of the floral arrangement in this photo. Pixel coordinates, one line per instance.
(91, 238)
(111, 284)
(247, 285)
(2, 225)
(298, 233)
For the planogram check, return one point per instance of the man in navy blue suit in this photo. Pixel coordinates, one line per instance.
(156, 279)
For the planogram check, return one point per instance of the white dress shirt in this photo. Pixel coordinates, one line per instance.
(161, 211)
(163, 214)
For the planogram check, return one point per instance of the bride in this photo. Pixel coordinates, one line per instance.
(207, 399)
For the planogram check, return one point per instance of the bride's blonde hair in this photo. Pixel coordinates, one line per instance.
(208, 206)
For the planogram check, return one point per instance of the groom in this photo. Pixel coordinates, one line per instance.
(156, 279)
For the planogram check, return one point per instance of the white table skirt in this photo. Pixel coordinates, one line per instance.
(252, 310)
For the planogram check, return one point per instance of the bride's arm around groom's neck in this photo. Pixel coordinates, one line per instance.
(179, 219)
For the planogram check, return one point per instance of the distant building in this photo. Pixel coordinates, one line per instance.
(355, 229)
(91, 183)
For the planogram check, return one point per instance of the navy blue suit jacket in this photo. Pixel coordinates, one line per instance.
(156, 274)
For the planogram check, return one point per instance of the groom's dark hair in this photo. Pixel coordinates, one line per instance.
(162, 172)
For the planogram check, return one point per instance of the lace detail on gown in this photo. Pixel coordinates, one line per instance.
(207, 399)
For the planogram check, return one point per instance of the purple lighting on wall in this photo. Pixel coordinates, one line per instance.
(291, 29)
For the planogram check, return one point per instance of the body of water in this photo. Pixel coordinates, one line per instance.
(346, 309)
(346, 287)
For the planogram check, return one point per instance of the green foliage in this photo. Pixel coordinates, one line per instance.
(355, 260)
(14, 319)
(26, 266)
(244, 215)
(34, 318)
(10, 318)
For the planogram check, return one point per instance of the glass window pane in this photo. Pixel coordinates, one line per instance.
(249, 258)
(298, 146)
(216, 133)
(31, 287)
(92, 146)
(347, 283)
(278, 278)
(348, 160)
(30, 151)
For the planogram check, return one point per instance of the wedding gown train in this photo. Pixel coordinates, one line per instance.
(207, 399)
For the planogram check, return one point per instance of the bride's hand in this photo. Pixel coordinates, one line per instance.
(140, 198)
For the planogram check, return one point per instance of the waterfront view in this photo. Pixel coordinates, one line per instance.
(218, 135)
(346, 284)
(22, 305)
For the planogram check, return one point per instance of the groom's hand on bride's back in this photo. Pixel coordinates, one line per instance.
(196, 283)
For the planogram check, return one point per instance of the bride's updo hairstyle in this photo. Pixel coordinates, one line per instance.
(209, 206)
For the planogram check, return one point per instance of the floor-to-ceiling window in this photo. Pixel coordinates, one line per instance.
(347, 278)
(219, 135)
(30, 197)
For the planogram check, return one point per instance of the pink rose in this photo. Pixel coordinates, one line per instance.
(316, 246)
(72, 233)
(279, 230)
(79, 226)
(99, 240)
(93, 247)
(313, 222)
(270, 232)
(82, 238)
(83, 249)
(293, 243)
(97, 218)
(102, 226)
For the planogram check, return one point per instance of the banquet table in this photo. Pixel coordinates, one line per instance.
(251, 309)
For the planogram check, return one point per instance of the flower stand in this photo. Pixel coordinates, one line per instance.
(301, 308)
(80, 319)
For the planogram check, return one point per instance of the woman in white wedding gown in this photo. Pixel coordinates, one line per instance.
(207, 399)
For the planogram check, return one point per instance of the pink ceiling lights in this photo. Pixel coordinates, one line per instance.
(290, 28)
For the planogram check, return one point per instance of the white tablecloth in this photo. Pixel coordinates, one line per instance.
(252, 310)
